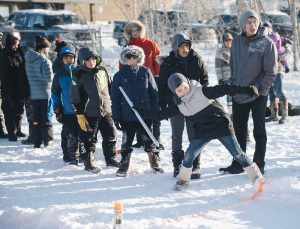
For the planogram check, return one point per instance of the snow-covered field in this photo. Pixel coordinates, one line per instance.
(38, 190)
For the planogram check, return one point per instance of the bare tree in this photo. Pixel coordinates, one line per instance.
(292, 7)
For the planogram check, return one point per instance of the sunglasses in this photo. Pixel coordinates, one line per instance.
(129, 56)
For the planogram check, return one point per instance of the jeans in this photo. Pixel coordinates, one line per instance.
(230, 142)
(276, 91)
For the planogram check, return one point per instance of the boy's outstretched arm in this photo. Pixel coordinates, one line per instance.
(221, 90)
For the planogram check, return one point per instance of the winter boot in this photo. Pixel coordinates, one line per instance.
(153, 160)
(110, 153)
(29, 139)
(112, 162)
(124, 163)
(177, 157)
(253, 172)
(274, 111)
(234, 168)
(18, 121)
(89, 163)
(284, 111)
(183, 178)
(196, 168)
(12, 137)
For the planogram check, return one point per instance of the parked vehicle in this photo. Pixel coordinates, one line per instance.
(52, 24)
(281, 22)
(162, 25)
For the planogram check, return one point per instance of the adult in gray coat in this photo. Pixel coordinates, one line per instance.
(253, 62)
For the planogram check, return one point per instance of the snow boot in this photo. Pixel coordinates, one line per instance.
(196, 168)
(253, 172)
(284, 111)
(183, 178)
(274, 107)
(89, 163)
(124, 163)
(112, 162)
(177, 157)
(153, 160)
(234, 168)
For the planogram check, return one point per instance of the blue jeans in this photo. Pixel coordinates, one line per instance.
(276, 90)
(230, 142)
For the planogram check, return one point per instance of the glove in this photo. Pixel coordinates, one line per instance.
(58, 115)
(83, 123)
(286, 69)
(252, 90)
(118, 125)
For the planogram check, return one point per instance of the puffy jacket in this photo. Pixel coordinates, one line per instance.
(140, 86)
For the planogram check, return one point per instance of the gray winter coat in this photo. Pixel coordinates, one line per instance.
(253, 62)
(39, 72)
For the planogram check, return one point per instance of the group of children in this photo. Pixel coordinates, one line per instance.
(85, 101)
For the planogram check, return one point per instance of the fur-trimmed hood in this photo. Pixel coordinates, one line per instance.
(133, 50)
(134, 24)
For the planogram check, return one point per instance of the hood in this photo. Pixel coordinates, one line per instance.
(31, 55)
(134, 24)
(86, 53)
(245, 15)
(134, 50)
(178, 39)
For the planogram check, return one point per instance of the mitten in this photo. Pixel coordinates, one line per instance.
(286, 69)
(58, 115)
(83, 123)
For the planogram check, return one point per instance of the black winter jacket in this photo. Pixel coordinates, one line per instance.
(195, 70)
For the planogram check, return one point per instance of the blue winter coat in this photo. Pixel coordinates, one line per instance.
(61, 90)
(140, 86)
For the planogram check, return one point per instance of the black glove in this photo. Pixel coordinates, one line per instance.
(118, 125)
(220, 82)
(286, 69)
(252, 90)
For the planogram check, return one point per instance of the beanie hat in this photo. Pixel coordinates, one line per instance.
(178, 39)
(41, 42)
(227, 36)
(244, 17)
(134, 51)
(67, 51)
(86, 53)
(175, 80)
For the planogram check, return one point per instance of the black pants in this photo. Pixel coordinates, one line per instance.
(131, 128)
(106, 127)
(13, 110)
(70, 136)
(40, 122)
(240, 114)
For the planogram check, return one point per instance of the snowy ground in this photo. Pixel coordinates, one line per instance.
(38, 190)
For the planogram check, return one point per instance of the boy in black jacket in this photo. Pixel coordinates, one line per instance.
(90, 97)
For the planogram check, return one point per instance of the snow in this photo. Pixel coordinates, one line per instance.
(38, 190)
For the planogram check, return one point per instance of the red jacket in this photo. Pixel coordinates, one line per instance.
(151, 50)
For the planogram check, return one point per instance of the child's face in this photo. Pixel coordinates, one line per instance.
(69, 59)
(135, 33)
(184, 49)
(183, 89)
(90, 63)
(131, 60)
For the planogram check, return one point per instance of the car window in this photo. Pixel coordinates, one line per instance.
(52, 20)
(39, 19)
(31, 21)
(19, 19)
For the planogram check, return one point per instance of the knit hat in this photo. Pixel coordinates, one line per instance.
(41, 42)
(67, 51)
(175, 80)
(86, 53)
(244, 17)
